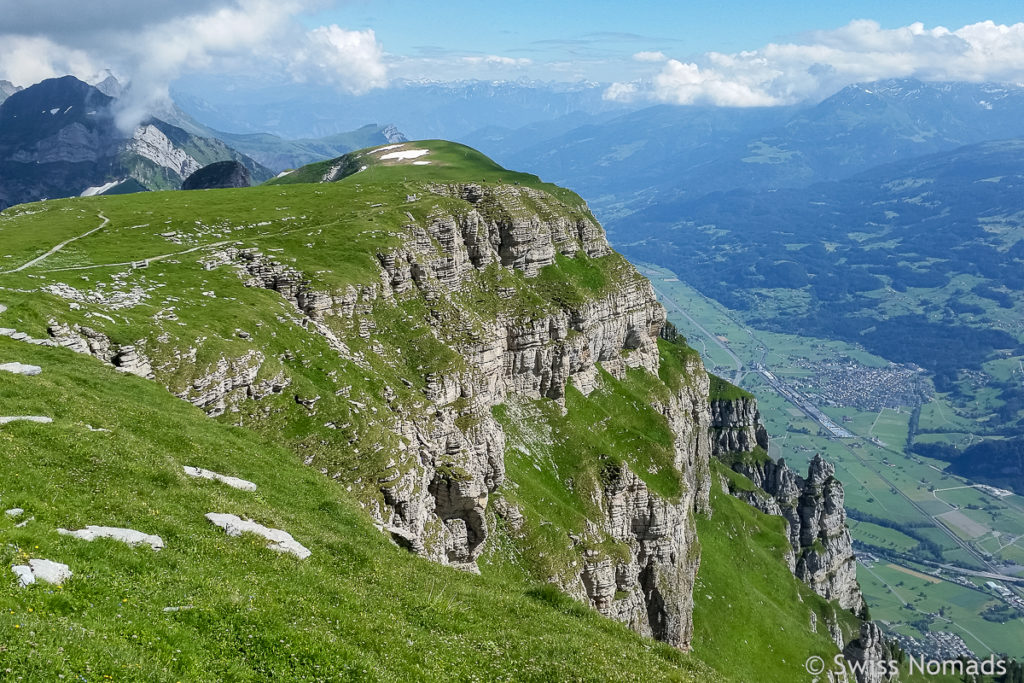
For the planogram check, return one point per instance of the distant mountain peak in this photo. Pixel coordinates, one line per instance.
(58, 139)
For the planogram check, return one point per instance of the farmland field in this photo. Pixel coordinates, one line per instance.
(931, 515)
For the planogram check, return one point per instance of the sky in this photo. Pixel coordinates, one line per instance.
(739, 53)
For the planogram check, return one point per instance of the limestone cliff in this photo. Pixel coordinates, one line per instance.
(493, 294)
(868, 657)
(823, 555)
(813, 509)
(736, 426)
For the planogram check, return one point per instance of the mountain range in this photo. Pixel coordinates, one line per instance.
(59, 138)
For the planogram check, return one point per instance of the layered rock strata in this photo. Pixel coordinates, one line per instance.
(736, 426)
(823, 555)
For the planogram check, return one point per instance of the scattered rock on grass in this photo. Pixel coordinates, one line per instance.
(233, 482)
(280, 541)
(15, 512)
(42, 570)
(21, 368)
(129, 536)
(26, 418)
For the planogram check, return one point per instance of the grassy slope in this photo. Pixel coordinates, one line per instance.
(358, 605)
(751, 616)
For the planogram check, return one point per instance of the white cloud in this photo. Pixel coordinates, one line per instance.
(650, 56)
(150, 50)
(25, 60)
(352, 60)
(495, 60)
(829, 60)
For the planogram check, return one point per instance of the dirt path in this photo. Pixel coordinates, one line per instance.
(57, 248)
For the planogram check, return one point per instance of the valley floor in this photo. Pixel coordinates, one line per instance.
(922, 584)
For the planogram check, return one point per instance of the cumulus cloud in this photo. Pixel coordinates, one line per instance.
(826, 61)
(352, 60)
(150, 49)
(25, 60)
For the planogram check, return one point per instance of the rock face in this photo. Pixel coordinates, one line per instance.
(867, 656)
(736, 426)
(220, 174)
(822, 548)
(127, 358)
(813, 508)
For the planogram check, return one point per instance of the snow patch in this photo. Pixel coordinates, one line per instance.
(280, 541)
(100, 189)
(384, 149)
(233, 482)
(404, 154)
(282, 174)
(53, 112)
(421, 163)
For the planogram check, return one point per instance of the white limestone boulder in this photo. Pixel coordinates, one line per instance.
(233, 482)
(46, 571)
(129, 536)
(26, 418)
(280, 541)
(20, 368)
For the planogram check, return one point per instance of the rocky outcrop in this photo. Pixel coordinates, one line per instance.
(449, 460)
(149, 142)
(736, 426)
(822, 551)
(125, 357)
(445, 451)
(867, 657)
(823, 555)
(218, 175)
(231, 380)
(651, 592)
(218, 389)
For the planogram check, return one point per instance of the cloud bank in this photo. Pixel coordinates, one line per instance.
(151, 46)
(826, 61)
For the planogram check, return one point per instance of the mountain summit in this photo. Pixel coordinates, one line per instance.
(58, 138)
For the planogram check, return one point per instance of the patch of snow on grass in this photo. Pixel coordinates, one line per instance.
(99, 189)
(404, 154)
(384, 149)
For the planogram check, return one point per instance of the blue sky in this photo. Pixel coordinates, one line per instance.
(613, 31)
(740, 53)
